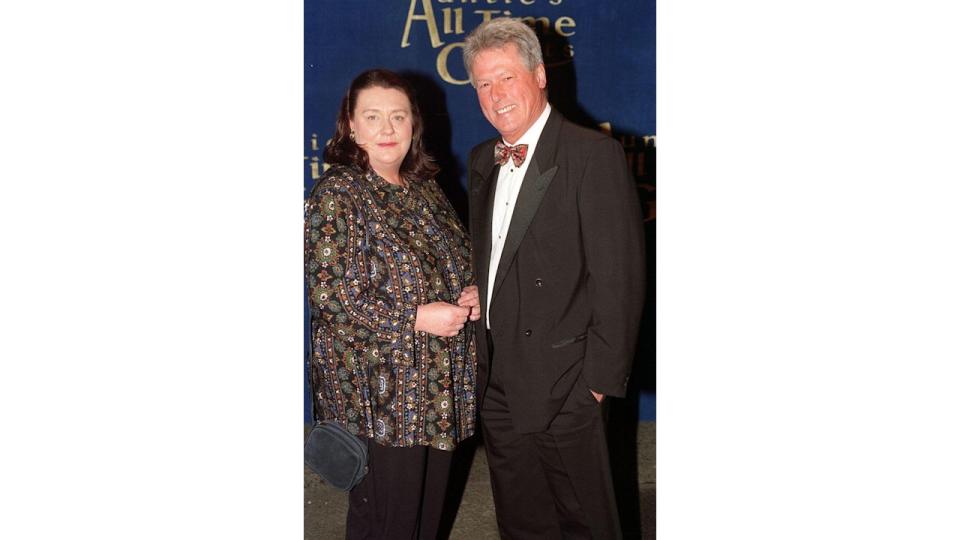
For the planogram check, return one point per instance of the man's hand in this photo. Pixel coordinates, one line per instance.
(596, 396)
(441, 319)
(470, 297)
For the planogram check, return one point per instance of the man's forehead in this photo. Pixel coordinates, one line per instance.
(509, 48)
(500, 62)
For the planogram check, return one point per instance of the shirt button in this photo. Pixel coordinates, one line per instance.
(528, 333)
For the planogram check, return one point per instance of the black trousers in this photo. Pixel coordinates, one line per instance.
(552, 484)
(402, 494)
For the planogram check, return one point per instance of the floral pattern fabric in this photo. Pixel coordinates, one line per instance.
(373, 252)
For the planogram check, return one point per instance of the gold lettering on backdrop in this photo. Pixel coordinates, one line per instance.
(544, 23)
(532, 22)
(314, 160)
(524, 2)
(564, 22)
(488, 14)
(427, 17)
(554, 53)
(443, 67)
(458, 21)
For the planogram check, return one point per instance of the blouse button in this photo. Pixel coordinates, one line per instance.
(528, 333)
(539, 282)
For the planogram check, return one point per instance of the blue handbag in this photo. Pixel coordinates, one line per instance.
(337, 455)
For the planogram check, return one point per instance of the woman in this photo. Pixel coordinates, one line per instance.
(387, 262)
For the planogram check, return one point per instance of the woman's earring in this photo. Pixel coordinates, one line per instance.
(353, 135)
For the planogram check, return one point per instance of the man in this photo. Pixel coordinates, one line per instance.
(558, 255)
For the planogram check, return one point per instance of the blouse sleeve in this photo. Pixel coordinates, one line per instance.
(458, 232)
(339, 286)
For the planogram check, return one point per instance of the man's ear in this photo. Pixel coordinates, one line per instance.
(541, 74)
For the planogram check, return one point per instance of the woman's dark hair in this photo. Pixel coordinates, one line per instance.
(341, 150)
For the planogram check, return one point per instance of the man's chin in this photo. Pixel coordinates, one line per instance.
(509, 133)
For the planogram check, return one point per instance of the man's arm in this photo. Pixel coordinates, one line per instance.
(611, 225)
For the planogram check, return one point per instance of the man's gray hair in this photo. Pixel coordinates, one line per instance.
(498, 33)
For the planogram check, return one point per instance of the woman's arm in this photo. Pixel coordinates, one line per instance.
(340, 290)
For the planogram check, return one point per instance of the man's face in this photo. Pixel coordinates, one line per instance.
(511, 97)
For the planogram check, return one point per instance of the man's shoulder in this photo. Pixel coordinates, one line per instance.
(580, 141)
(580, 134)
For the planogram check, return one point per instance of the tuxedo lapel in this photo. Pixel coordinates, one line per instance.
(539, 174)
(485, 185)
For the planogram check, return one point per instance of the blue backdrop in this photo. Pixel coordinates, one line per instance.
(601, 67)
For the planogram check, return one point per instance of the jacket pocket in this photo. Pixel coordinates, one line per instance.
(569, 341)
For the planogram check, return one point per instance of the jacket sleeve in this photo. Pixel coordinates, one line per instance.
(338, 278)
(611, 227)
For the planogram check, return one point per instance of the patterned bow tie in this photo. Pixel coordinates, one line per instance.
(503, 152)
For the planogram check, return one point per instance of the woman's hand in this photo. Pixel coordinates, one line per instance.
(441, 319)
(470, 297)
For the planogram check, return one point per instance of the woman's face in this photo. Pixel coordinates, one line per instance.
(383, 127)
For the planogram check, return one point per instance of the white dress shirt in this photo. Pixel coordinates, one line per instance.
(509, 181)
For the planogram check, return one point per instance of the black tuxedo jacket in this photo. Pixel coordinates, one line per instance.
(568, 293)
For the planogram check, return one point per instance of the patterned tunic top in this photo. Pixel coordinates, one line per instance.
(373, 252)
